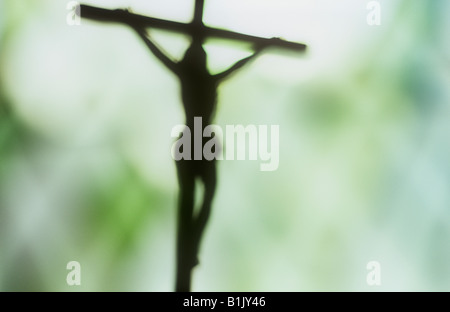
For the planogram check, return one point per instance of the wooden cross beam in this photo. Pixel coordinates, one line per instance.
(196, 27)
(198, 12)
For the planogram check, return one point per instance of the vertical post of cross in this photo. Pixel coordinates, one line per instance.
(198, 32)
(198, 12)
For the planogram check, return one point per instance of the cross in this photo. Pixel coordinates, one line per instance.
(199, 93)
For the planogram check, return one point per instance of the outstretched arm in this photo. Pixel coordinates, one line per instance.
(169, 63)
(258, 49)
(225, 74)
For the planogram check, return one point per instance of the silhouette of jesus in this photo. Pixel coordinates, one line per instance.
(199, 97)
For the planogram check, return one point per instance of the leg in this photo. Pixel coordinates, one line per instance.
(208, 176)
(186, 179)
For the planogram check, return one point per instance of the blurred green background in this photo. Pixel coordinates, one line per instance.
(86, 174)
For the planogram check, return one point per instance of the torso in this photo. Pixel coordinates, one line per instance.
(198, 92)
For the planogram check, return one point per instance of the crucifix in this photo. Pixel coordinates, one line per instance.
(199, 97)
